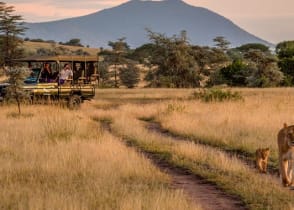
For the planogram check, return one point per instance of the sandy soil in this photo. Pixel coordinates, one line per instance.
(198, 190)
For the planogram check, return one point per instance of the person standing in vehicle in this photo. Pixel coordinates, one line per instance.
(46, 74)
(65, 74)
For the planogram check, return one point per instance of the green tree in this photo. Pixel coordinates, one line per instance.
(129, 75)
(11, 27)
(104, 76)
(235, 74)
(73, 42)
(285, 49)
(253, 46)
(117, 56)
(143, 53)
(264, 69)
(221, 43)
(285, 52)
(209, 60)
(15, 91)
(173, 57)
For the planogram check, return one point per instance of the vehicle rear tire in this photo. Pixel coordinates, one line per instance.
(74, 102)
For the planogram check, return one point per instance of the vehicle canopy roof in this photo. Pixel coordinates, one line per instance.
(60, 58)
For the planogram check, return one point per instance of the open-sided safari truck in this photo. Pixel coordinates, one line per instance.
(76, 89)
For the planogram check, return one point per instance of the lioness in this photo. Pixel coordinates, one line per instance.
(286, 154)
(261, 159)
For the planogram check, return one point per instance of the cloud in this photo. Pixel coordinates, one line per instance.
(47, 10)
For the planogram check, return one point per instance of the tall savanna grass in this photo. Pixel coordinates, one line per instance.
(256, 190)
(53, 158)
(238, 125)
(241, 125)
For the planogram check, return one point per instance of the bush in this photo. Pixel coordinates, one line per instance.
(214, 95)
(129, 75)
(175, 107)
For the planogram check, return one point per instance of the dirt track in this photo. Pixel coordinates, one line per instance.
(198, 190)
(156, 127)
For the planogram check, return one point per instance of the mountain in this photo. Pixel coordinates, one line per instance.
(131, 19)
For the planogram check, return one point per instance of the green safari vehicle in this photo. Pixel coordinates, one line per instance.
(78, 87)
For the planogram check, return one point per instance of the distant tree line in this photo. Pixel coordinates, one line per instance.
(72, 42)
(174, 62)
(59, 50)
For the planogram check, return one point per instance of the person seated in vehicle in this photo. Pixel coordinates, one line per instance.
(47, 74)
(77, 70)
(90, 71)
(65, 74)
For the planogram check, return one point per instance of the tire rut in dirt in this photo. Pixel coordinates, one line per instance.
(197, 189)
(157, 128)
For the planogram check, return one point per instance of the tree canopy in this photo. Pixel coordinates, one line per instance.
(11, 27)
(285, 52)
(253, 46)
(174, 61)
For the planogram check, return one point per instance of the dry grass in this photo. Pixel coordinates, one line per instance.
(245, 126)
(32, 47)
(150, 93)
(242, 126)
(257, 191)
(52, 158)
(64, 160)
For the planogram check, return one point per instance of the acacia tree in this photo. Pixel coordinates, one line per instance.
(11, 27)
(221, 43)
(173, 57)
(104, 77)
(129, 75)
(117, 56)
(15, 91)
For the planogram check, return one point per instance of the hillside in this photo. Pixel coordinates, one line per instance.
(31, 47)
(131, 19)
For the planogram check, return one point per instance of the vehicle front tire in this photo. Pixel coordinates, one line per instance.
(74, 102)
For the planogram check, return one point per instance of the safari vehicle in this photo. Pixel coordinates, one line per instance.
(74, 90)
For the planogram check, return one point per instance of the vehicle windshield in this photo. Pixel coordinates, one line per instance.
(33, 77)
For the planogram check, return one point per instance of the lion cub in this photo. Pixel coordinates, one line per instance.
(262, 155)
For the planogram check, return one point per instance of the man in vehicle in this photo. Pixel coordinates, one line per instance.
(65, 74)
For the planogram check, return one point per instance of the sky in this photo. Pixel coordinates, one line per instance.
(271, 20)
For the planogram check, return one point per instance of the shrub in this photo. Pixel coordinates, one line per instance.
(175, 107)
(15, 91)
(213, 94)
(129, 76)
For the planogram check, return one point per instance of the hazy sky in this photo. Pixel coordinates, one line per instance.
(271, 20)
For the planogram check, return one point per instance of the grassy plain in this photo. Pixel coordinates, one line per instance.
(242, 126)
(53, 158)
